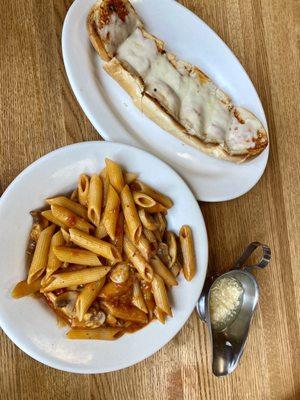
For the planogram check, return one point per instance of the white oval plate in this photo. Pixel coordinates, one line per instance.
(114, 116)
(27, 321)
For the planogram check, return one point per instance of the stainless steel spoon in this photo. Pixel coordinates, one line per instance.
(228, 344)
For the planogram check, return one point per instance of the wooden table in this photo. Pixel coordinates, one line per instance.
(39, 113)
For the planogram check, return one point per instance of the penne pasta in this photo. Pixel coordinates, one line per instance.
(143, 200)
(119, 234)
(128, 313)
(24, 288)
(65, 235)
(160, 315)
(40, 256)
(87, 296)
(172, 247)
(107, 333)
(74, 195)
(160, 294)
(53, 263)
(157, 208)
(76, 256)
(130, 177)
(95, 199)
(145, 247)
(162, 224)
(50, 217)
(163, 271)
(115, 174)
(100, 231)
(95, 245)
(137, 260)
(131, 215)
(69, 219)
(188, 252)
(111, 212)
(138, 298)
(107, 261)
(159, 197)
(83, 189)
(71, 205)
(147, 220)
(72, 278)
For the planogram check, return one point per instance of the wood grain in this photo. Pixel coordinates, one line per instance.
(38, 113)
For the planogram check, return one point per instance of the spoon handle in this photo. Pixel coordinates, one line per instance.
(264, 261)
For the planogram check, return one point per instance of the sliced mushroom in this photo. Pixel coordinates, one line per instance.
(163, 253)
(66, 302)
(120, 273)
(94, 320)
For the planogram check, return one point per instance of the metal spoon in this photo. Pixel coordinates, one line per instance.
(228, 344)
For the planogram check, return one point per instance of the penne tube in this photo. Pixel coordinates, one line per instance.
(143, 200)
(69, 219)
(162, 224)
(158, 208)
(50, 217)
(74, 278)
(87, 296)
(65, 235)
(103, 173)
(138, 261)
(138, 298)
(112, 289)
(105, 184)
(83, 189)
(115, 174)
(111, 212)
(100, 231)
(148, 297)
(188, 252)
(95, 245)
(147, 220)
(95, 199)
(40, 256)
(160, 315)
(108, 333)
(160, 294)
(23, 289)
(163, 271)
(172, 247)
(119, 234)
(145, 247)
(74, 195)
(131, 215)
(159, 197)
(71, 205)
(127, 313)
(76, 256)
(54, 263)
(130, 177)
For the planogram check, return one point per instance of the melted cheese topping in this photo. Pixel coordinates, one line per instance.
(196, 105)
(114, 33)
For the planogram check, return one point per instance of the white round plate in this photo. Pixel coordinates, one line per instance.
(114, 116)
(27, 321)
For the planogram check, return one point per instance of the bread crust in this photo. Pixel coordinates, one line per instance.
(135, 87)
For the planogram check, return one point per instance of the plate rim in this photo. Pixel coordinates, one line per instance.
(58, 364)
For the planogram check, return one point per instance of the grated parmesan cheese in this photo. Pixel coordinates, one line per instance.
(225, 301)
